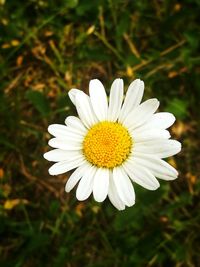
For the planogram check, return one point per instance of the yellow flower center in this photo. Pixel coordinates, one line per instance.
(107, 144)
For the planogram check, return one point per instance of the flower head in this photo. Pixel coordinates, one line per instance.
(113, 145)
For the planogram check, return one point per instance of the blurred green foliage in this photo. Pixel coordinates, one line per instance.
(49, 47)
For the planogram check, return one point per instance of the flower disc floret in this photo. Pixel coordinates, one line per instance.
(107, 144)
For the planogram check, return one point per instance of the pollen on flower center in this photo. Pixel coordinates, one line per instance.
(107, 144)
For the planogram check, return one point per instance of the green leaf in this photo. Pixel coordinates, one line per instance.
(178, 107)
(39, 101)
(192, 39)
(71, 3)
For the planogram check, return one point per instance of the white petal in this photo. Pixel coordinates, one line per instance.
(133, 98)
(160, 148)
(141, 175)
(149, 135)
(124, 186)
(113, 194)
(116, 98)
(72, 95)
(85, 185)
(57, 155)
(101, 184)
(65, 166)
(98, 99)
(84, 109)
(75, 124)
(160, 120)
(76, 176)
(66, 144)
(160, 168)
(141, 113)
(59, 130)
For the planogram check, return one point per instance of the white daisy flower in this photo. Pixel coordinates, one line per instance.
(113, 145)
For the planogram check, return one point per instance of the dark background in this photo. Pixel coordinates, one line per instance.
(49, 47)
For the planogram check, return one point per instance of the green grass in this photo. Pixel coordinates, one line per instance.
(49, 47)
